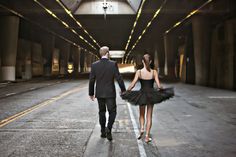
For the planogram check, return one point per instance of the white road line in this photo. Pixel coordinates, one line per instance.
(142, 151)
(222, 97)
(3, 83)
(10, 94)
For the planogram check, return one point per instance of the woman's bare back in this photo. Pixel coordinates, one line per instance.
(145, 74)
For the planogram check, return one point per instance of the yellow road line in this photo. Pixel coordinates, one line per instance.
(44, 103)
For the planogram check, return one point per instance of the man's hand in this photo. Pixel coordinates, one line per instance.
(92, 97)
(122, 92)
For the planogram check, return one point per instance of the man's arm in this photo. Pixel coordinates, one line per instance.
(92, 78)
(119, 79)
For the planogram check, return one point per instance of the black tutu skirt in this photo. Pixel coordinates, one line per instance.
(148, 96)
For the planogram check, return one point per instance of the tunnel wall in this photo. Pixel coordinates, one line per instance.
(222, 61)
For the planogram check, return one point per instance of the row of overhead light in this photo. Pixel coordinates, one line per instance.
(145, 29)
(135, 23)
(63, 38)
(188, 16)
(77, 22)
(63, 22)
(174, 26)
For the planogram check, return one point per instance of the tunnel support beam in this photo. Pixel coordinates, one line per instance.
(160, 50)
(82, 59)
(24, 63)
(170, 54)
(75, 54)
(48, 42)
(229, 55)
(9, 39)
(88, 62)
(201, 44)
(64, 55)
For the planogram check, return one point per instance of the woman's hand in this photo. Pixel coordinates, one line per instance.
(122, 92)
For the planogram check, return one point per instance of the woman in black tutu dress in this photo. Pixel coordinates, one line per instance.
(147, 96)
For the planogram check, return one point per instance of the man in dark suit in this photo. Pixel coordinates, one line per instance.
(103, 73)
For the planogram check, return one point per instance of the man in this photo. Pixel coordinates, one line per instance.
(103, 73)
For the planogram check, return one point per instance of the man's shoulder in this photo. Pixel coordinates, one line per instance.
(112, 62)
(94, 63)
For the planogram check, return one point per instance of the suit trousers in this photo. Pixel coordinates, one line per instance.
(110, 104)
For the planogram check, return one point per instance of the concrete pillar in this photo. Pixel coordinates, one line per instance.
(201, 43)
(37, 60)
(0, 62)
(229, 70)
(79, 53)
(235, 57)
(82, 59)
(55, 62)
(75, 57)
(85, 62)
(189, 57)
(24, 67)
(64, 48)
(161, 56)
(213, 58)
(8, 40)
(182, 63)
(171, 50)
(155, 60)
(217, 61)
(94, 58)
(48, 43)
(89, 62)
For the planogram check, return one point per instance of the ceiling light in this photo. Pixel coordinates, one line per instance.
(148, 25)
(63, 22)
(134, 25)
(77, 22)
(188, 16)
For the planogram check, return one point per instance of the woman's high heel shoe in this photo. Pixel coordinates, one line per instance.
(141, 134)
(148, 139)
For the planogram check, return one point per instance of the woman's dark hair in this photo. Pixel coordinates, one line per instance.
(147, 59)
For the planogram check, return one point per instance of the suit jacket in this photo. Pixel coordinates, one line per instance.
(103, 73)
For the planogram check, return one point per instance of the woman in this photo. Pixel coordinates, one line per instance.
(147, 96)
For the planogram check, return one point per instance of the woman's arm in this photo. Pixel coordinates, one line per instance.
(157, 79)
(131, 86)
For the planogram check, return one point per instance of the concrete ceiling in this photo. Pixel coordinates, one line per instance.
(115, 30)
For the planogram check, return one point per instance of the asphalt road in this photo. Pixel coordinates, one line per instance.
(56, 118)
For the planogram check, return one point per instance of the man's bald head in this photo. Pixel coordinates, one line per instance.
(104, 50)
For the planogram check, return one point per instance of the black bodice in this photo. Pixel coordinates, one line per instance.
(146, 84)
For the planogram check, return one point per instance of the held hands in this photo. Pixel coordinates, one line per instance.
(122, 92)
(92, 97)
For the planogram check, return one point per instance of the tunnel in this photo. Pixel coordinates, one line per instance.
(48, 51)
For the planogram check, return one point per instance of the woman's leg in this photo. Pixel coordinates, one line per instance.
(142, 117)
(141, 120)
(149, 121)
